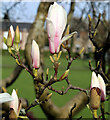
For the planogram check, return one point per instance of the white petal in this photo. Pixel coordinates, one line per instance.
(12, 31)
(94, 81)
(102, 87)
(15, 102)
(50, 29)
(58, 16)
(66, 38)
(5, 97)
(51, 34)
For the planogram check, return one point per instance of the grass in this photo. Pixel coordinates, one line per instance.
(79, 75)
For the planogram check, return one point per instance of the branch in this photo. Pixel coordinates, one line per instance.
(52, 111)
(70, 14)
(12, 78)
(70, 116)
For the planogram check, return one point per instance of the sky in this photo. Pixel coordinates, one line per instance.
(26, 11)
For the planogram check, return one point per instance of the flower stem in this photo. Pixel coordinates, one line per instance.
(95, 113)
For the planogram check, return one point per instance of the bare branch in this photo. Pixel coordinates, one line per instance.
(52, 111)
(11, 79)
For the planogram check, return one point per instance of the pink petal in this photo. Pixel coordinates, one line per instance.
(58, 16)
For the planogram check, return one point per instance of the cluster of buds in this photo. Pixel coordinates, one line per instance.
(97, 91)
(56, 23)
(13, 39)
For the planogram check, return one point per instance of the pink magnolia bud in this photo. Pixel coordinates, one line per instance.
(56, 23)
(15, 102)
(12, 32)
(35, 54)
(102, 87)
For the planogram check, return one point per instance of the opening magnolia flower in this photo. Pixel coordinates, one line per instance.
(15, 105)
(56, 23)
(98, 82)
(15, 102)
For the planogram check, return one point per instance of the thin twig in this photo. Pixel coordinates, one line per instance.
(68, 88)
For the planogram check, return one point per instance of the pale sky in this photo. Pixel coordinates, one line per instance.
(26, 11)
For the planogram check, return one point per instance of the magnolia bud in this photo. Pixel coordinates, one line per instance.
(12, 32)
(95, 94)
(9, 39)
(17, 35)
(35, 54)
(64, 75)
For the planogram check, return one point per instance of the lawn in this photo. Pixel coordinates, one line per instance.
(79, 75)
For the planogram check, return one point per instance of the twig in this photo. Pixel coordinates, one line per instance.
(98, 70)
(21, 63)
(68, 82)
(107, 113)
(32, 105)
(102, 111)
(36, 102)
(91, 33)
(69, 87)
(79, 118)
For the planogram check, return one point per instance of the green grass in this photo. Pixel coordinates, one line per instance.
(79, 75)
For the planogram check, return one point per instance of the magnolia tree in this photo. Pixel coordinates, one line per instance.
(58, 36)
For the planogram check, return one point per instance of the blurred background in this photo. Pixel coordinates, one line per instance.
(24, 14)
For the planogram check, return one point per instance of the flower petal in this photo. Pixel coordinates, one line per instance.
(58, 17)
(51, 35)
(102, 87)
(15, 102)
(66, 38)
(5, 97)
(12, 32)
(94, 81)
